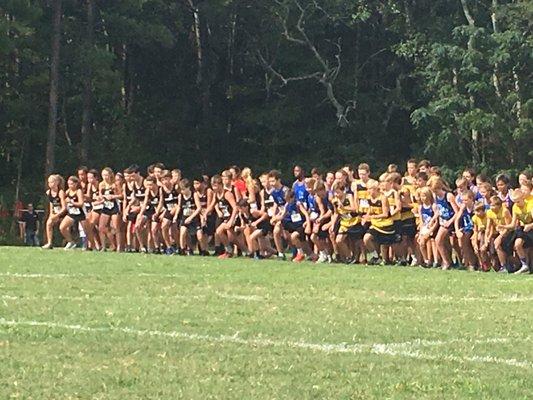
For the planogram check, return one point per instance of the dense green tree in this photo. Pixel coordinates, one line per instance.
(202, 84)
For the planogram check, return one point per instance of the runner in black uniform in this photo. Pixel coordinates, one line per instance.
(75, 212)
(226, 209)
(256, 228)
(107, 223)
(170, 207)
(207, 215)
(56, 200)
(120, 225)
(189, 217)
(148, 216)
(93, 206)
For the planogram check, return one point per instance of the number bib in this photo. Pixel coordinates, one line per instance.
(296, 218)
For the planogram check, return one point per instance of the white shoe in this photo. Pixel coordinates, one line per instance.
(523, 270)
(322, 258)
(70, 246)
(47, 246)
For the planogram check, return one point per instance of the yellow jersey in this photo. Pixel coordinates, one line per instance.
(524, 214)
(480, 222)
(499, 217)
(347, 218)
(376, 208)
(362, 196)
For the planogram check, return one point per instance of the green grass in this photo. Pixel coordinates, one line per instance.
(126, 326)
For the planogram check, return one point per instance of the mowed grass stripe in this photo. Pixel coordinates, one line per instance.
(413, 333)
(407, 349)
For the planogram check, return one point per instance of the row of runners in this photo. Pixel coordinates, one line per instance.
(344, 216)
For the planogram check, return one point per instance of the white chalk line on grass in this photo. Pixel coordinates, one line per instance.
(237, 297)
(256, 298)
(406, 349)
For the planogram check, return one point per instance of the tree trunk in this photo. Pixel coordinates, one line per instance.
(54, 84)
(495, 73)
(475, 137)
(86, 120)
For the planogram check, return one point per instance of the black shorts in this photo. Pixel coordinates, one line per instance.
(111, 211)
(210, 225)
(292, 227)
(385, 236)
(323, 234)
(354, 232)
(508, 242)
(149, 213)
(77, 217)
(265, 227)
(168, 215)
(527, 237)
(132, 216)
(398, 225)
(192, 227)
(408, 228)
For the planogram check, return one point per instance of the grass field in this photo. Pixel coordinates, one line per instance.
(127, 326)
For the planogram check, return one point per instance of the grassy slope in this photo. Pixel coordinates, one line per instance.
(282, 301)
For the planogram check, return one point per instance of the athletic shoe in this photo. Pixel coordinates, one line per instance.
(374, 261)
(502, 270)
(322, 258)
(47, 246)
(523, 270)
(299, 258)
(281, 256)
(70, 246)
(224, 256)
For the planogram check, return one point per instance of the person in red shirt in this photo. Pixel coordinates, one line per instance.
(238, 183)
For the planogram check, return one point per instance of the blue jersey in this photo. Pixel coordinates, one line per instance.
(300, 192)
(445, 208)
(279, 195)
(459, 198)
(311, 203)
(293, 214)
(426, 213)
(465, 222)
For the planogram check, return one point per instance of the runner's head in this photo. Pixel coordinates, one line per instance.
(363, 171)
(479, 209)
(274, 179)
(227, 178)
(107, 175)
(495, 203)
(426, 195)
(412, 168)
(216, 183)
(82, 173)
(73, 183)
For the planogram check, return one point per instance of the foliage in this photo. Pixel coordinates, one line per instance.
(202, 84)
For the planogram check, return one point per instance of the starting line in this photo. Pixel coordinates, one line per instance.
(405, 350)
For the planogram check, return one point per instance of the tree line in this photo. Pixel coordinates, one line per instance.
(202, 84)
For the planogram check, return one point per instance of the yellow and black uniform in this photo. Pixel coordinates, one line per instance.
(396, 218)
(408, 227)
(480, 222)
(382, 229)
(498, 218)
(349, 222)
(524, 215)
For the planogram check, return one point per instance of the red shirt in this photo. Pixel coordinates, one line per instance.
(240, 185)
